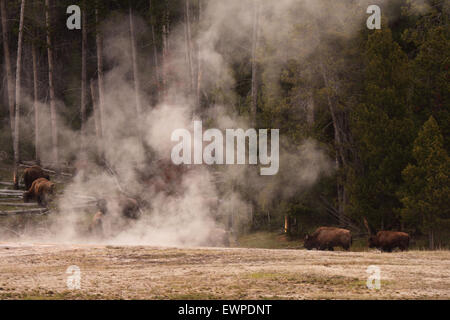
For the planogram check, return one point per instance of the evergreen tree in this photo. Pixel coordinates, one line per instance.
(383, 132)
(426, 194)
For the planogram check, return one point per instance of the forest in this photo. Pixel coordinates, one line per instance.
(363, 115)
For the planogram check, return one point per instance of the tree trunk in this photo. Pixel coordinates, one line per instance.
(83, 76)
(431, 238)
(188, 40)
(155, 51)
(99, 42)
(254, 65)
(199, 61)
(137, 84)
(287, 225)
(37, 144)
(98, 128)
(51, 87)
(165, 49)
(9, 74)
(18, 92)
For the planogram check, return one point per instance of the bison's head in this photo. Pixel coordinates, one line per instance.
(373, 242)
(309, 242)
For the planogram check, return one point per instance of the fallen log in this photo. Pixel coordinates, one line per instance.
(48, 170)
(5, 183)
(18, 204)
(11, 191)
(11, 195)
(29, 211)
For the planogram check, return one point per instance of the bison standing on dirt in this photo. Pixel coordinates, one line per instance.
(326, 238)
(33, 173)
(389, 240)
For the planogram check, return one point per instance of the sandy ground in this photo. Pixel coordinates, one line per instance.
(29, 271)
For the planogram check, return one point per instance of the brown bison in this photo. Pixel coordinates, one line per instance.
(389, 240)
(128, 207)
(96, 226)
(33, 173)
(326, 238)
(41, 190)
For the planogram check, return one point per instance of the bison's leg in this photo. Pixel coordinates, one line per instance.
(330, 248)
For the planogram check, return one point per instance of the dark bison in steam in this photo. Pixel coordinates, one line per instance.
(33, 173)
(389, 240)
(326, 238)
(128, 207)
(41, 190)
(96, 226)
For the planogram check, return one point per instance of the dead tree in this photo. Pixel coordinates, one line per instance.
(254, 62)
(101, 100)
(188, 40)
(98, 128)
(83, 75)
(51, 86)
(155, 51)
(137, 84)
(18, 96)
(199, 61)
(37, 144)
(9, 74)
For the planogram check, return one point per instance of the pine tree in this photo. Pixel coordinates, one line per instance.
(383, 130)
(426, 194)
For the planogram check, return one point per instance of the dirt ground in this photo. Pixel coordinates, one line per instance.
(38, 271)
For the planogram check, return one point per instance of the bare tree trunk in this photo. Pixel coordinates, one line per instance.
(51, 87)
(287, 225)
(37, 144)
(254, 65)
(101, 100)
(189, 45)
(199, 61)
(98, 128)
(18, 92)
(83, 76)
(431, 239)
(165, 55)
(137, 84)
(155, 51)
(9, 74)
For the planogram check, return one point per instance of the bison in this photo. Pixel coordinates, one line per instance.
(128, 207)
(41, 190)
(33, 173)
(326, 238)
(389, 240)
(96, 225)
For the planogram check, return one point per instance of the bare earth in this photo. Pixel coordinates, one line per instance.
(29, 271)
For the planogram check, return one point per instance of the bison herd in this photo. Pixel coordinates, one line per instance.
(327, 238)
(39, 188)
